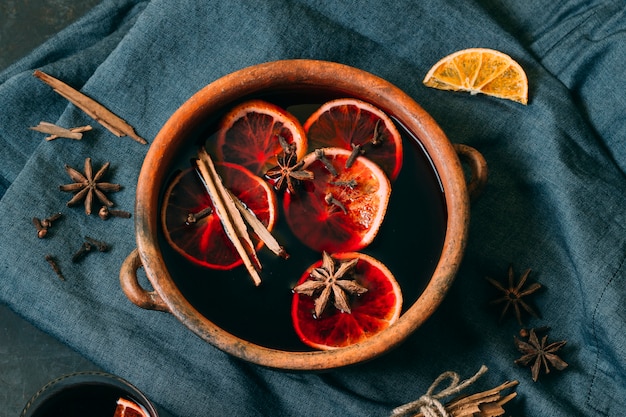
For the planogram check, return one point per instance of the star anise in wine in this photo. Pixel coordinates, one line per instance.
(513, 295)
(289, 170)
(331, 281)
(539, 354)
(86, 185)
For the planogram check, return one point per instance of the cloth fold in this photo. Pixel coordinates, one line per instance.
(554, 201)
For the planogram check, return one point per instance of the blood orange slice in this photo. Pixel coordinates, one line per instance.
(338, 213)
(128, 408)
(249, 135)
(370, 312)
(193, 229)
(348, 122)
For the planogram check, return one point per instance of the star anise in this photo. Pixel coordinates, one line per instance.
(331, 281)
(513, 295)
(86, 185)
(539, 353)
(289, 171)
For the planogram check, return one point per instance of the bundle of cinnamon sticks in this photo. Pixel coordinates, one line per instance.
(235, 217)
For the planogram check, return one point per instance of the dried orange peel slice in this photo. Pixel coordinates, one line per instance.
(480, 70)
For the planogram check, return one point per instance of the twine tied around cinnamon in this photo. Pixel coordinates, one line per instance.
(429, 404)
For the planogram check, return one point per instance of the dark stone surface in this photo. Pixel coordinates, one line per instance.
(25, 24)
(29, 359)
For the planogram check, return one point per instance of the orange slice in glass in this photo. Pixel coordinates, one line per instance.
(338, 213)
(193, 229)
(480, 70)
(249, 135)
(128, 408)
(371, 312)
(346, 122)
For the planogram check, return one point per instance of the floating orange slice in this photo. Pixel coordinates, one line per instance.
(480, 70)
(338, 211)
(195, 231)
(371, 312)
(348, 122)
(249, 135)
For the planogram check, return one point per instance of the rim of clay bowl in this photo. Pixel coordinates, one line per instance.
(81, 379)
(311, 74)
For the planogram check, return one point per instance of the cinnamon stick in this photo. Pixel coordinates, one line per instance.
(259, 228)
(92, 108)
(229, 215)
(484, 404)
(56, 131)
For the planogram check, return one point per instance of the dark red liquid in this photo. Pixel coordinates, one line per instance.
(409, 243)
(92, 400)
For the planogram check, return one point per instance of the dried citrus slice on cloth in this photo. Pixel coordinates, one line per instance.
(249, 135)
(371, 311)
(342, 208)
(480, 70)
(195, 231)
(127, 408)
(349, 122)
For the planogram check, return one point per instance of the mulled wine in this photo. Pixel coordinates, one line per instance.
(95, 400)
(409, 243)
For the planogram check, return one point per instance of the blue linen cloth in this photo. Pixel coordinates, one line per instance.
(554, 202)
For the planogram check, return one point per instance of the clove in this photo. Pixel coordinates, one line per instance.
(319, 155)
(332, 201)
(377, 137)
(42, 225)
(105, 213)
(88, 246)
(41, 231)
(84, 249)
(47, 222)
(356, 151)
(98, 244)
(351, 183)
(55, 266)
(193, 218)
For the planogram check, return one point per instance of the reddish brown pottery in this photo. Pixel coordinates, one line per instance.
(305, 75)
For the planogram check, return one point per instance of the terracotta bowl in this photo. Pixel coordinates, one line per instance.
(310, 77)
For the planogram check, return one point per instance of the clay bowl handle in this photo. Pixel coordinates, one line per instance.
(150, 300)
(477, 166)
